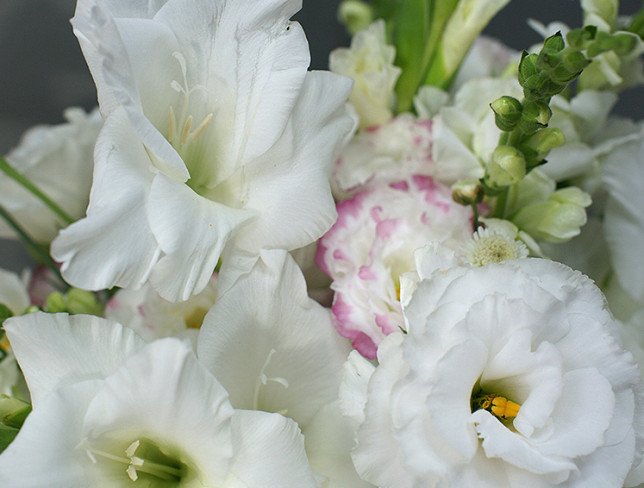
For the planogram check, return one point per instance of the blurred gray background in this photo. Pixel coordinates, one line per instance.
(42, 70)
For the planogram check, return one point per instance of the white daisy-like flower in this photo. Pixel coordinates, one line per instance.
(494, 245)
(510, 374)
(216, 140)
(110, 410)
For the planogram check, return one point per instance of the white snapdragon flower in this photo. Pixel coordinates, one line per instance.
(370, 63)
(465, 134)
(153, 317)
(372, 245)
(58, 160)
(509, 375)
(110, 410)
(216, 139)
(274, 349)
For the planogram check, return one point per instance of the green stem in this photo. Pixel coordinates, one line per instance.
(36, 248)
(475, 216)
(23, 181)
(501, 204)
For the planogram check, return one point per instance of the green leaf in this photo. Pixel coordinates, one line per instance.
(13, 413)
(411, 27)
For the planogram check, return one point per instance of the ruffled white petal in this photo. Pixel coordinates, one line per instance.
(260, 64)
(54, 350)
(290, 187)
(113, 245)
(114, 74)
(45, 452)
(278, 445)
(191, 231)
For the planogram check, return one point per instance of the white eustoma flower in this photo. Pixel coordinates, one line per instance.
(370, 63)
(216, 140)
(372, 245)
(153, 317)
(510, 375)
(58, 160)
(274, 349)
(110, 410)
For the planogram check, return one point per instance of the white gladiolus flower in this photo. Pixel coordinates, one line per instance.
(48, 156)
(216, 140)
(370, 63)
(275, 349)
(510, 375)
(110, 410)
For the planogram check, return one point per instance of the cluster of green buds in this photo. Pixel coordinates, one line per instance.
(74, 301)
(526, 138)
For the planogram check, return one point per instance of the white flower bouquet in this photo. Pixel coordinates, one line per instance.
(422, 268)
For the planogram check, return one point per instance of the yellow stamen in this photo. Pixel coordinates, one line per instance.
(498, 406)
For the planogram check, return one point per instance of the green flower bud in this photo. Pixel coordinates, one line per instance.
(527, 67)
(82, 301)
(55, 303)
(539, 144)
(355, 15)
(507, 112)
(535, 115)
(554, 43)
(468, 192)
(578, 38)
(507, 167)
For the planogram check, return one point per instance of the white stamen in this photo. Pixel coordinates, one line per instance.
(186, 130)
(201, 127)
(172, 125)
(132, 448)
(131, 472)
(262, 380)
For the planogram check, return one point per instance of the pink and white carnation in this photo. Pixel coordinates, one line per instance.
(398, 148)
(533, 335)
(372, 245)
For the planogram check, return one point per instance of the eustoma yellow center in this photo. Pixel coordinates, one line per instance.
(497, 405)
